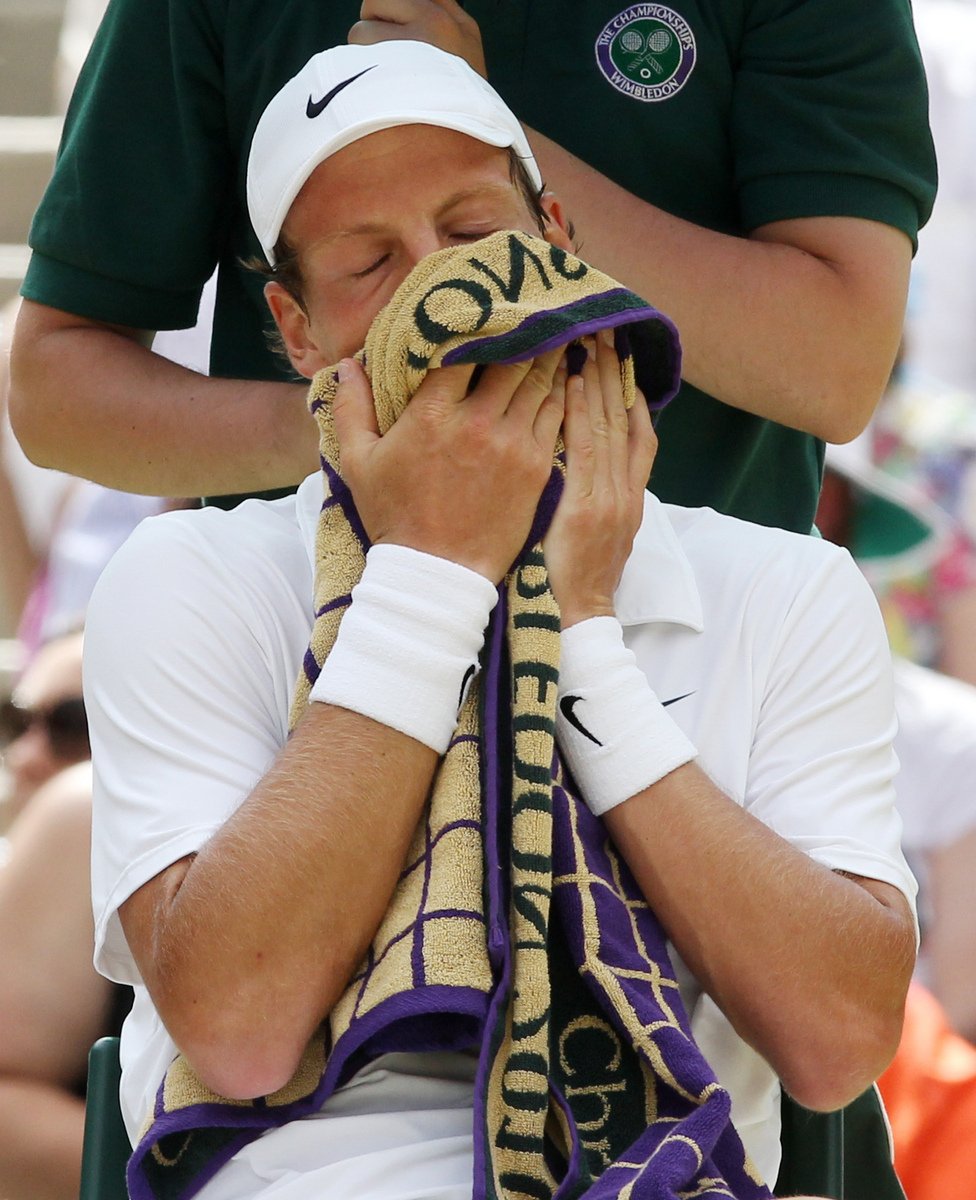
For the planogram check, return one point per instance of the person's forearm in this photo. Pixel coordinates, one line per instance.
(92, 401)
(802, 329)
(256, 939)
(809, 967)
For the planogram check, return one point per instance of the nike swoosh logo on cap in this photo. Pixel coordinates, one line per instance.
(675, 699)
(566, 705)
(314, 107)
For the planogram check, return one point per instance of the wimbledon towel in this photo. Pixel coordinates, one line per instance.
(515, 928)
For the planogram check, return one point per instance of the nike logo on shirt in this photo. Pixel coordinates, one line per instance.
(314, 107)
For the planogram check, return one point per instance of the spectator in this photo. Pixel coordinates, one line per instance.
(902, 540)
(45, 727)
(781, 169)
(240, 874)
(52, 1003)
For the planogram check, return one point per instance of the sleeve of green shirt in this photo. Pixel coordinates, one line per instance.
(128, 229)
(829, 115)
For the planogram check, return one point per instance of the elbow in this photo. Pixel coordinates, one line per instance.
(837, 392)
(247, 1077)
(845, 415)
(834, 1066)
(850, 397)
(27, 428)
(35, 429)
(242, 1063)
(245, 1039)
(842, 426)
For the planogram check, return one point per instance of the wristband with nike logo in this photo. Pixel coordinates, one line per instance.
(615, 735)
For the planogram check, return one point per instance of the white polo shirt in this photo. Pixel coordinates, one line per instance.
(772, 641)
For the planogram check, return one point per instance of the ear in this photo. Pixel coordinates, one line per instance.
(292, 322)
(559, 229)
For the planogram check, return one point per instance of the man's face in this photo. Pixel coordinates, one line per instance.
(371, 212)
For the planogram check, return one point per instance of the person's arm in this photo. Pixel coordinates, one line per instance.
(263, 928)
(138, 212)
(320, 843)
(802, 319)
(174, 432)
(811, 968)
(798, 322)
(52, 1003)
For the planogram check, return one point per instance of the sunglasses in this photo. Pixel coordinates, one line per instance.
(65, 725)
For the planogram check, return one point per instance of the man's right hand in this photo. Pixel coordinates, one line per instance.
(460, 474)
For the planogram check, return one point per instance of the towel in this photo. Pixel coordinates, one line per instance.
(516, 929)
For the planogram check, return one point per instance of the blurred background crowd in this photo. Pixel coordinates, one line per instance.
(902, 498)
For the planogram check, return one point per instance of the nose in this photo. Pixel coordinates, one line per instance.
(424, 242)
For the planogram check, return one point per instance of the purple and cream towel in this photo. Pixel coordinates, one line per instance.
(515, 929)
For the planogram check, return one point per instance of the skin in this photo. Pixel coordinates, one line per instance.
(224, 962)
(752, 344)
(52, 1006)
(52, 1002)
(53, 675)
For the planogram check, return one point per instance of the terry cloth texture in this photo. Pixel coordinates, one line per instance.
(515, 928)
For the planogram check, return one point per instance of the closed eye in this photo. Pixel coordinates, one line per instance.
(371, 268)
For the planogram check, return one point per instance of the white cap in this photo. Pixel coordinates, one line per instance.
(345, 93)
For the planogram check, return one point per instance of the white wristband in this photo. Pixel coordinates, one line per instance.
(614, 734)
(408, 644)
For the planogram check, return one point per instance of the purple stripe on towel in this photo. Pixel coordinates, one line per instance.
(340, 490)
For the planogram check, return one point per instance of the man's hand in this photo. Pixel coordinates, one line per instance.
(460, 474)
(442, 23)
(609, 453)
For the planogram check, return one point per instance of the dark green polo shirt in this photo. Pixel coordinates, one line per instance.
(729, 113)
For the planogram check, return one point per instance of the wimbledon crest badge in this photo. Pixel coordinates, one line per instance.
(647, 52)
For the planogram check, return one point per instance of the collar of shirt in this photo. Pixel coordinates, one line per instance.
(658, 583)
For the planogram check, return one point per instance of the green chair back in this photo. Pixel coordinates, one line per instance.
(845, 1155)
(106, 1146)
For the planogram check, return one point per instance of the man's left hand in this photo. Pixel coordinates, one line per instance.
(609, 454)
